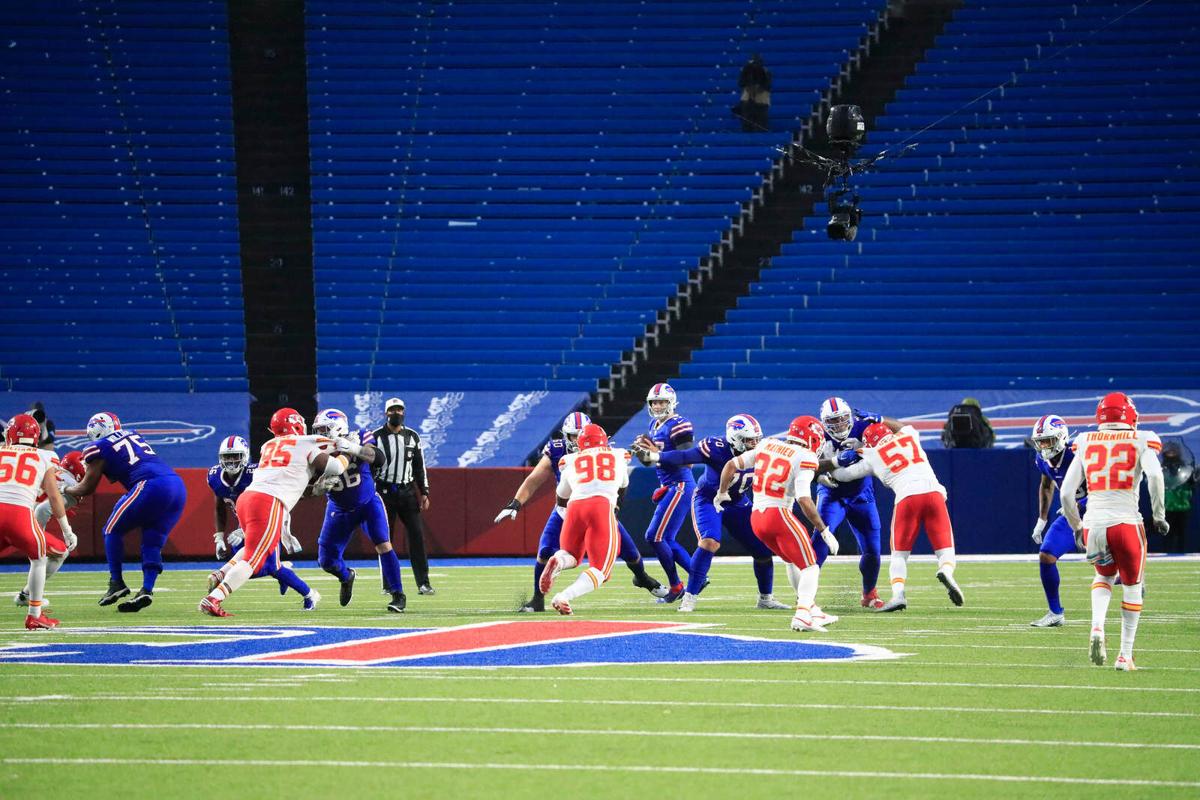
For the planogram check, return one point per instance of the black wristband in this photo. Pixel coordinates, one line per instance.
(514, 505)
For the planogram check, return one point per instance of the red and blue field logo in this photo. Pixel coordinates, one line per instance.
(511, 643)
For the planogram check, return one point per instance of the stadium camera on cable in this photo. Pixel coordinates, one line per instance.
(846, 129)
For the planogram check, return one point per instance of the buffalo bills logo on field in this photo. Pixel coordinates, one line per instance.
(517, 643)
(153, 432)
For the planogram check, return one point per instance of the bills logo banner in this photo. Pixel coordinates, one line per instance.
(516, 643)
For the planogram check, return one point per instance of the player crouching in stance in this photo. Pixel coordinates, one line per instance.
(591, 485)
(24, 471)
(1053, 459)
(1110, 462)
(286, 464)
(548, 545)
(894, 454)
(783, 474)
(70, 472)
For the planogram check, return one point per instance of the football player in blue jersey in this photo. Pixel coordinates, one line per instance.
(227, 480)
(547, 467)
(853, 502)
(1050, 437)
(153, 501)
(742, 433)
(353, 503)
(669, 431)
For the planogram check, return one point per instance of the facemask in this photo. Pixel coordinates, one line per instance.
(395, 420)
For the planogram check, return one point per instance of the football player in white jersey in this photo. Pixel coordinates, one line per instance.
(70, 470)
(24, 472)
(286, 465)
(591, 484)
(1110, 462)
(783, 474)
(894, 454)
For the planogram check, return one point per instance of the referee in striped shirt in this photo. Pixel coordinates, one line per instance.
(404, 486)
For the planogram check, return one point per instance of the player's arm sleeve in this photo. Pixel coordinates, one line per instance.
(853, 472)
(682, 435)
(804, 479)
(1070, 486)
(419, 474)
(564, 486)
(677, 458)
(1152, 469)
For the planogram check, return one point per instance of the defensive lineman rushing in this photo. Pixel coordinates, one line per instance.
(286, 464)
(1050, 436)
(153, 501)
(70, 472)
(548, 544)
(894, 454)
(227, 480)
(1110, 463)
(783, 474)
(669, 431)
(742, 433)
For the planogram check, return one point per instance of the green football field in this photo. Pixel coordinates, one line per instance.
(978, 705)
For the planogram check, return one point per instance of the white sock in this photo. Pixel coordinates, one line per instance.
(945, 560)
(53, 562)
(1131, 612)
(235, 577)
(898, 572)
(37, 585)
(588, 581)
(567, 560)
(1101, 595)
(793, 573)
(806, 589)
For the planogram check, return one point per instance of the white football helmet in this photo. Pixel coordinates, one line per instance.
(660, 392)
(837, 417)
(331, 423)
(743, 432)
(571, 426)
(1050, 435)
(102, 424)
(233, 455)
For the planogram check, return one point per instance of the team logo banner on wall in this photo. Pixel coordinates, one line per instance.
(185, 429)
(466, 429)
(1011, 413)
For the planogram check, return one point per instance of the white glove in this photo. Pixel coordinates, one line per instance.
(827, 480)
(290, 543)
(1038, 527)
(509, 511)
(348, 446)
(1162, 527)
(69, 537)
(221, 548)
(721, 499)
(235, 538)
(830, 541)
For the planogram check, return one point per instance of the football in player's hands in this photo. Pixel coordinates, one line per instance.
(646, 444)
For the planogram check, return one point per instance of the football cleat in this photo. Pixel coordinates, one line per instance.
(21, 598)
(821, 618)
(553, 567)
(767, 602)
(652, 586)
(687, 603)
(310, 602)
(213, 608)
(872, 601)
(1096, 647)
(535, 606)
(141, 600)
(561, 605)
(398, 604)
(425, 588)
(42, 623)
(347, 590)
(1051, 620)
(1125, 664)
(956, 595)
(803, 621)
(895, 604)
(215, 578)
(673, 595)
(116, 590)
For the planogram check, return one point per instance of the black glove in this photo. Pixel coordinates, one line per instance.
(509, 511)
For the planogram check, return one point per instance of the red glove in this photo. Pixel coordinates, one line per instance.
(659, 493)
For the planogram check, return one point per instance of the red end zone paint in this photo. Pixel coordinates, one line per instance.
(468, 638)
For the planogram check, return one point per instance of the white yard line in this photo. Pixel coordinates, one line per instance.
(739, 772)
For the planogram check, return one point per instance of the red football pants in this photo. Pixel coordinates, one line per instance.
(786, 536)
(261, 517)
(1127, 543)
(591, 529)
(19, 529)
(927, 509)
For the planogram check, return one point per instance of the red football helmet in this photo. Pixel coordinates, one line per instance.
(591, 436)
(875, 433)
(1117, 407)
(288, 422)
(72, 462)
(808, 431)
(23, 429)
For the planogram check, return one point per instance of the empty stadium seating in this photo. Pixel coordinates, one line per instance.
(506, 194)
(119, 249)
(1043, 237)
